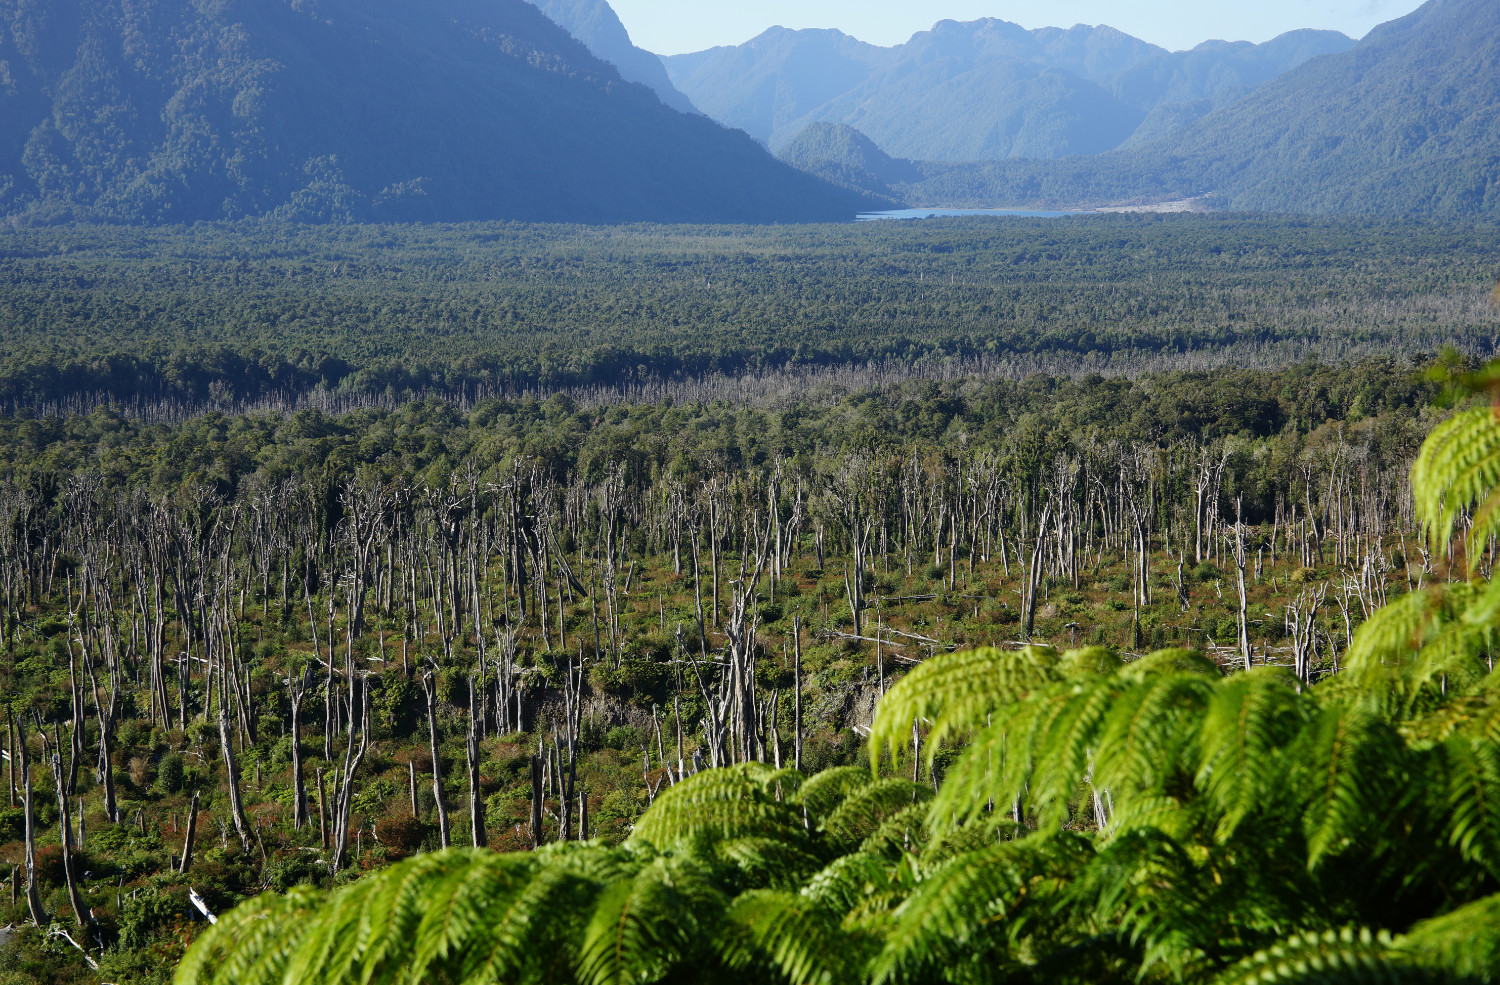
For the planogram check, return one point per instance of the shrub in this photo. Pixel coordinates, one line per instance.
(170, 772)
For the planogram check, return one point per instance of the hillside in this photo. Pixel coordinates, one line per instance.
(981, 90)
(1407, 122)
(595, 23)
(841, 155)
(331, 110)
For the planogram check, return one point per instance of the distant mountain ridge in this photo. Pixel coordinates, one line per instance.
(595, 23)
(1405, 122)
(981, 90)
(323, 110)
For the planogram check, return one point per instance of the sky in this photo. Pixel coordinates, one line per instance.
(670, 27)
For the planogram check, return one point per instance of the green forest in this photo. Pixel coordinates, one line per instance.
(952, 601)
(718, 688)
(177, 320)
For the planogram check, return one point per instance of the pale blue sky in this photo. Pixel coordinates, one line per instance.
(672, 26)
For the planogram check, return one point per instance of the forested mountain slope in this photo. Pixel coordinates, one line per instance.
(173, 111)
(1407, 122)
(980, 90)
(595, 23)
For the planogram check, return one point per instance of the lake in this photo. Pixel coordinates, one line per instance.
(946, 213)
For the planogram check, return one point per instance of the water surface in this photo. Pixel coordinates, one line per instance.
(945, 213)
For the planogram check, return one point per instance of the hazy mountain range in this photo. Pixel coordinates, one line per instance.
(1406, 121)
(332, 110)
(982, 90)
(595, 23)
(324, 110)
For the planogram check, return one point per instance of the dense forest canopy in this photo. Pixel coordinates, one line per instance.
(635, 649)
(223, 315)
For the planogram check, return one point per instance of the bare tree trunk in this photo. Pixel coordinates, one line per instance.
(65, 833)
(1034, 574)
(236, 806)
(322, 808)
(192, 830)
(33, 891)
(797, 684)
(536, 801)
(444, 838)
(476, 796)
(296, 690)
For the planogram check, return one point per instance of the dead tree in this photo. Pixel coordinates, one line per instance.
(444, 838)
(232, 781)
(297, 685)
(187, 842)
(354, 754)
(476, 795)
(33, 889)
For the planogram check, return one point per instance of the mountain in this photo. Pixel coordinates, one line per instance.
(1405, 122)
(771, 85)
(984, 89)
(316, 110)
(595, 23)
(841, 155)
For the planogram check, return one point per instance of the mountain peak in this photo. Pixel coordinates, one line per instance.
(180, 111)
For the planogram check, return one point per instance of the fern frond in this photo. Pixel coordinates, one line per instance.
(250, 943)
(532, 934)
(863, 811)
(768, 862)
(1177, 660)
(458, 904)
(1089, 663)
(794, 935)
(1458, 469)
(1152, 731)
(1345, 760)
(956, 692)
(1346, 957)
(730, 802)
(1464, 943)
(1473, 815)
(1066, 748)
(904, 830)
(972, 898)
(1249, 719)
(823, 792)
(642, 927)
(1145, 884)
(846, 882)
(999, 761)
(1425, 641)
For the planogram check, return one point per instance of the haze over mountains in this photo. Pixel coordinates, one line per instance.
(454, 110)
(981, 90)
(324, 110)
(1407, 121)
(595, 23)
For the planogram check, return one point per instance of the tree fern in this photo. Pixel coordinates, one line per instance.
(1464, 942)
(820, 794)
(1345, 759)
(643, 926)
(972, 897)
(801, 939)
(1249, 720)
(1474, 800)
(1347, 957)
(732, 802)
(1151, 733)
(955, 692)
(863, 811)
(1458, 469)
